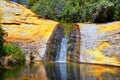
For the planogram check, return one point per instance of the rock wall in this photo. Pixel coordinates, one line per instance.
(88, 43)
(74, 44)
(100, 43)
(54, 43)
(25, 29)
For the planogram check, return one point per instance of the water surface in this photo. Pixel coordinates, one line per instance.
(59, 71)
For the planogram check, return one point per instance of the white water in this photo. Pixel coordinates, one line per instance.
(61, 57)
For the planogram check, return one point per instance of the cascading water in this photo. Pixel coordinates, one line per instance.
(61, 57)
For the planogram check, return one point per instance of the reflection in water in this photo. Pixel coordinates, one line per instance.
(74, 71)
(59, 71)
(56, 71)
(10, 72)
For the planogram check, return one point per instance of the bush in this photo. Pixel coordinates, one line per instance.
(16, 53)
(31, 2)
(67, 28)
(98, 11)
(116, 9)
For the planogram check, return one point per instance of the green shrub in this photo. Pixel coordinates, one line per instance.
(31, 2)
(100, 11)
(116, 9)
(78, 10)
(15, 53)
(67, 28)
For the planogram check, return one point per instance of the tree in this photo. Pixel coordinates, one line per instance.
(97, 11)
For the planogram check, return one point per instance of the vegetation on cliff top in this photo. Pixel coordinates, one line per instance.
(67, 28)
(97, 11)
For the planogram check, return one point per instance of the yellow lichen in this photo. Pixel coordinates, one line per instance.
(99, 57)
(103, 45)
(109, 27)
(22, 24)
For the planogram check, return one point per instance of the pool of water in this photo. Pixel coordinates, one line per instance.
(59, 71)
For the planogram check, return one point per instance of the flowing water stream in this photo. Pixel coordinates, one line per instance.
(61, 57)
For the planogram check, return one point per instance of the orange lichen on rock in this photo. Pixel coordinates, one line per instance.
(103, 45)
(22, 24)
(31, 32)
(27, 30)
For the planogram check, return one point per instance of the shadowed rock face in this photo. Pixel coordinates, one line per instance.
(64, 47)
(64, 44)
(25, 29)
(54, 44)
(74, 44)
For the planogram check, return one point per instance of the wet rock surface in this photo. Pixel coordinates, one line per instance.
(64, 47)
(54, 42)
(74, 45)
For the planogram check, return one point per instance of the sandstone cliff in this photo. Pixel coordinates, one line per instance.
(25, 29)
(48, 40)
(100, 43)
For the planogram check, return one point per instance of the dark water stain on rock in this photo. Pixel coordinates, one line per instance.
(53, 47)
(74, 44)
(70, 31)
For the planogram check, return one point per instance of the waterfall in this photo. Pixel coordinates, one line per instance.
(61, 57)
